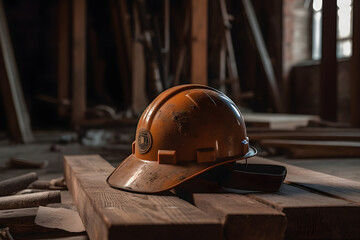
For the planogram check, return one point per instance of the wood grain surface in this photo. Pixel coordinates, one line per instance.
(109, 213)
(242, 216)
(314, 216)
(316, 181)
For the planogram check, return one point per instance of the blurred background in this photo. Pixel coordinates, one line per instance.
(82, 64)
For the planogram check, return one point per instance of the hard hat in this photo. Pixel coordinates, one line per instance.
(185, 131)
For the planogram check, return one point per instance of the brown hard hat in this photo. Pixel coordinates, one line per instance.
(184, 132)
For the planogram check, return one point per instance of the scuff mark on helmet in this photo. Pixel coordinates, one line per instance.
(181, 119)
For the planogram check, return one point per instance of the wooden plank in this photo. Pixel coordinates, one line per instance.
(243, 217)
(199, 27)
(16, 111)
(78, 61)
(328, 64)
(315, 149)
(321, 182)
(264, 55)
(315, 130)
(123, 63)
(108, 213)
(63, 70)
(278, 121)
(297, 135)
(355, 71)
(314, 216)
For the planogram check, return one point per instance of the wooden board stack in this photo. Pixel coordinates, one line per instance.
(310, 205)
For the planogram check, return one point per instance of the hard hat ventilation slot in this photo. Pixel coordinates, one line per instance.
(167, 157)
(205, 155)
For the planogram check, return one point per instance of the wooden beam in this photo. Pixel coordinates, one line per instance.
(355, 71)
(315, 181)
(315, 149)
(78, 61)
(314, 216)
(199, 18)
(63, 88)
(328, 64)
(306, 135)
(278, 121)
(108, 213)
(240, 214)
(16, 112)
(123, 63)
(264, 55)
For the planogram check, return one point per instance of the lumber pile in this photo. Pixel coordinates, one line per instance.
(20, 201)
(310, 205)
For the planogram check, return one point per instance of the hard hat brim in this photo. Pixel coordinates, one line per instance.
(142, 176)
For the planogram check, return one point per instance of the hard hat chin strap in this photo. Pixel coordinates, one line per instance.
(249, 177)
(253, 177)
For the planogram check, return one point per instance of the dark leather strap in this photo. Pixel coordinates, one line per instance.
(250, 177)
(254, 177)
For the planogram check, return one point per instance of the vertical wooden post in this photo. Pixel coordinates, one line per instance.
(78, 61)
(139, 99)
(199, 10)
(16, 112)
(355, 71)
(63, 54)
(328, 65)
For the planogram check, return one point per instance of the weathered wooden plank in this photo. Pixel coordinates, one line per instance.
(315, 149)
(278, 121)
(297, 135)
(314, 216)
(199, 27)
(109, 213)
(327, 184)
(18, 118)
(243, 217)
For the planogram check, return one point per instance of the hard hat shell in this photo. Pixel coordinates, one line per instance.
(185, 131)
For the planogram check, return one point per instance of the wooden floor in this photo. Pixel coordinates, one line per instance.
(43, 151)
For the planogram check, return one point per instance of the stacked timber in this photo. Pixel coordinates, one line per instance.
(310, 205)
